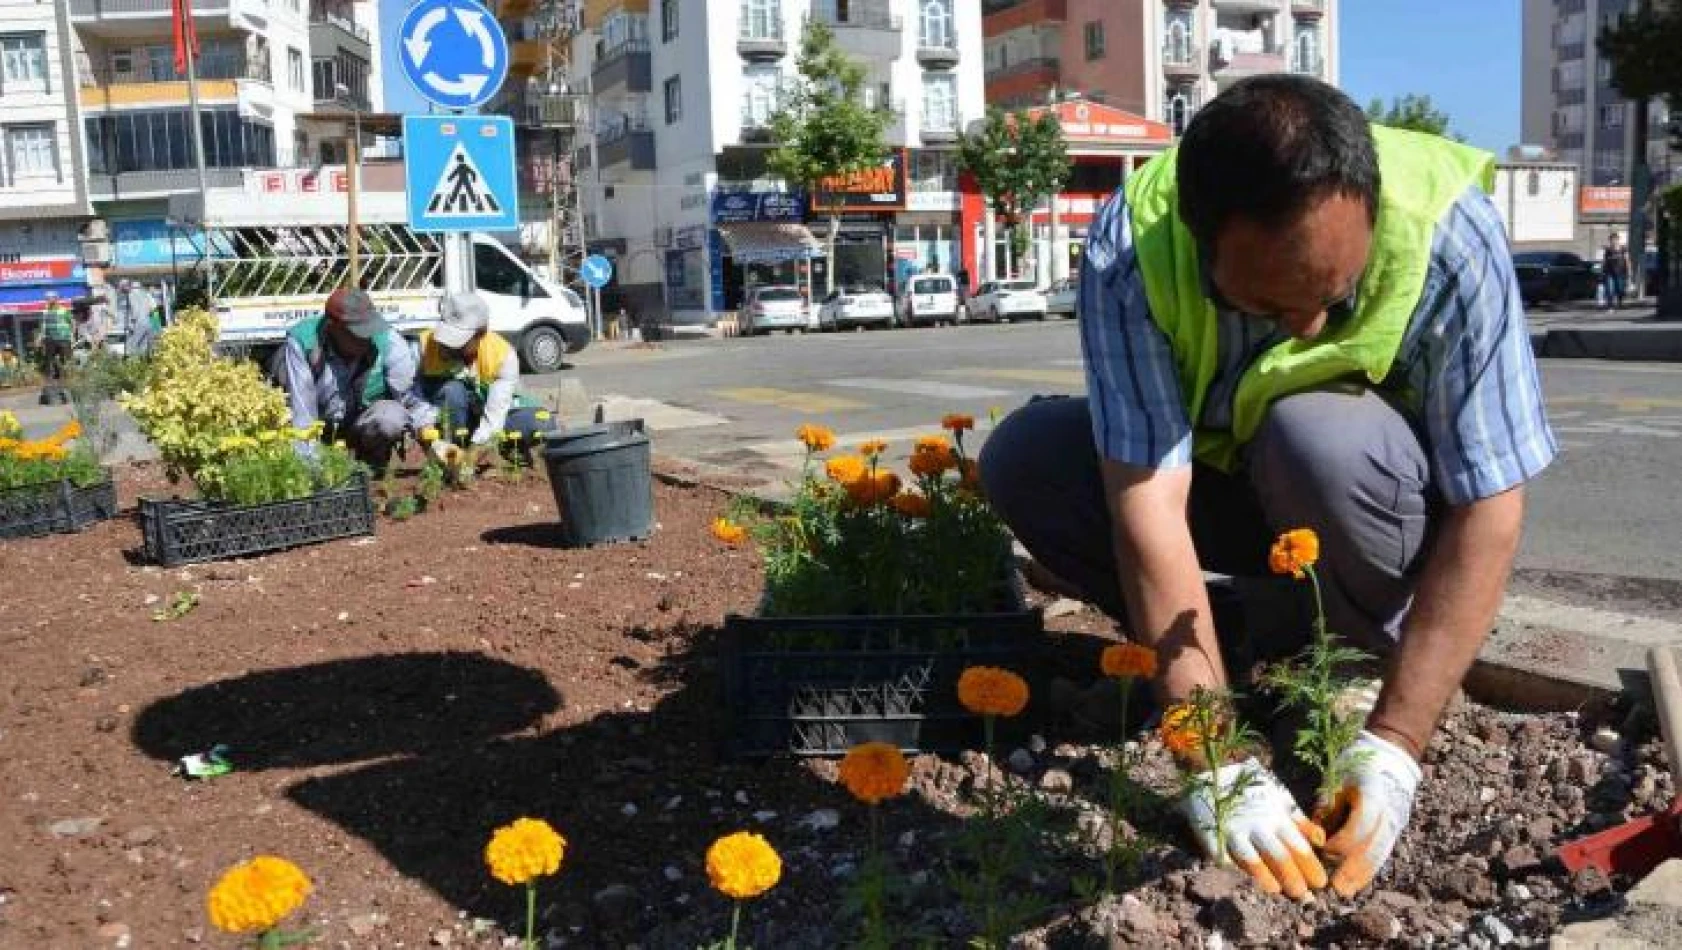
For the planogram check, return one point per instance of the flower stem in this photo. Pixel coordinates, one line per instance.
(1118, 791)
(735, 924)
(531, 916)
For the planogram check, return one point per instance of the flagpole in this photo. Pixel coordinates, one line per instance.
(188, 34)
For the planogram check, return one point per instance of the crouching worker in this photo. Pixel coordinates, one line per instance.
(349, 371)
(469, 375)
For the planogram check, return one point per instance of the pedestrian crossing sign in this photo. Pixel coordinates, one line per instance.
(459, 171)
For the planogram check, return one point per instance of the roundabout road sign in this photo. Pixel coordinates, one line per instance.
(454, 52)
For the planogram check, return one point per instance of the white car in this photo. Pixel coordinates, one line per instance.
(774, 307)
(856, 307)
(998, 300)
(930, 299)
(1060, 298)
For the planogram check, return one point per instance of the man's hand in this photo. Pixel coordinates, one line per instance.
(443, 451)
(1370, 812)
(1266, 834)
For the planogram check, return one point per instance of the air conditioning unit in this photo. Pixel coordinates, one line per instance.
(96, 230)
(663, 237)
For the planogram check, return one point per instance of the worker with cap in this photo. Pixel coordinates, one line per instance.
(470, 375)
(348, 370)
(57, 335)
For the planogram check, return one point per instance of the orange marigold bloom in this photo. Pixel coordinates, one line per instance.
(729, 531)
(969, 474)
(815, 438)
(873, 447)
(991, 691)
(932, 461)
(873, 488)
(846, 469)
(911, 504)
(873, 771)
(932, 443)
(254, 896)
(957, 422)
(1295, 551)
(743, 865)
(1128, 660)
(1179, 730)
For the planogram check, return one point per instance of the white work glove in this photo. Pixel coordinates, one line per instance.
(1369, 812)
(441, 450)
(1267, 835)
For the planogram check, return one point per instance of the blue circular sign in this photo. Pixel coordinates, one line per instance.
(596, 271)
(454, 52)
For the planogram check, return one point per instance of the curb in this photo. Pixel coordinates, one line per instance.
(1644, 344)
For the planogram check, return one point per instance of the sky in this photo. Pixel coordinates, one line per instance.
(1464, 54)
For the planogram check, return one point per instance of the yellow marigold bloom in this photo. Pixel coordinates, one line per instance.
(729, 531)
(911, 504)
(957, 422)
(932, 461)
(815, 438)
(1179, 731)
(873, 447)
(991, 691)
(70, 430)
(524, 851)
(1128, 660)
(256, 895)
(429, 434)
(1295, 550)
(743, 865)
(846, 469)
(874, 771)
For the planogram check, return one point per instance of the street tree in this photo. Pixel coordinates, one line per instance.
(1018, 161)
(1416, 113)
(1642, 48)
(823, 129)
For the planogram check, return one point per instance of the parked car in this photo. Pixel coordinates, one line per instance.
(929, 298)
(1554, 277)
(774, 307)
(1060, 298)
(856, 306)
(998, 300)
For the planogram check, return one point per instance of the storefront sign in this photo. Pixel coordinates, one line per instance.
(150, 242)
(882, 188)
(1603, 200)
(741, 207)
(932, 201)
(297, 181)
(41, 272)
(1094, 123)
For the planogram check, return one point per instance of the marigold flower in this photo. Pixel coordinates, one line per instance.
(253, 896)
(991, 691)
(526, 849)
(932, 461)
(957, 422)
(429, 434)
(70, 430)
(969, 475)
(815, 438)
(1179, 730)
(1295, 550)
(873, 447)
(874, 771)
(932, 443)
(729, 531)
(743, 865)
(873, 488)
(1128, 660)
(846, 469)
(911, 504)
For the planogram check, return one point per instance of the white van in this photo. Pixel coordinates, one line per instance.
(929, 299)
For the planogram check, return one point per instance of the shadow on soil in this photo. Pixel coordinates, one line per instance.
(460, 758)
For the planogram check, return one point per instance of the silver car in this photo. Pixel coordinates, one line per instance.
(1060, 298)
(774, 307)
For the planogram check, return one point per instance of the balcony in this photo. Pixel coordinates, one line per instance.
(1247, 6)
(1227, 64)
(937, 51)
(1308, 9)
(1027, 14)
(158, 184)
(1570, 51)
(760, 38)
(866, 29)
(334, 27)
(626, 64)
(1182, 60)
(536, 110)
(941, 128)
(756, 120)
(626, 138)
(118, 19)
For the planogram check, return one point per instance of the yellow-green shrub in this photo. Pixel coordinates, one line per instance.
(194, 400)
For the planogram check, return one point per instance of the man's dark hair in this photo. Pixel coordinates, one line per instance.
(1270, 147)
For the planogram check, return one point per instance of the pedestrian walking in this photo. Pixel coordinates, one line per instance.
(1614, 270)
(58, 334)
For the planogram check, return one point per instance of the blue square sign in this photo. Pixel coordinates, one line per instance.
(459, 171)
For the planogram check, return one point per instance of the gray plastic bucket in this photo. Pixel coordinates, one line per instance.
(603, 483)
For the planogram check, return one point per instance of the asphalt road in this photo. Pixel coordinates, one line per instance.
(1610, 505)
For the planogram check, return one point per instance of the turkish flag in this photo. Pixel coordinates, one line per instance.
(181, 12)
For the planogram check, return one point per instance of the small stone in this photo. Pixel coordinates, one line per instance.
(1520, 860)
(145, 834)
(1036, 743)
(1375, 924)
(442, 937)
(1590, 882)
(673, 802)
(1212, 884)
(843, 870)
(615, 905)
(1662, 887)
(764, 816)
(673, 873)
(1518, 893)
(114, 931)
(193, 935)
(1057, 781)
(1468, 885)
(74, 827)
(629, 810)
(1486, 795)
(105, 724)
(1606, 741)
(907, 840)
(1021, 761)
(1063, 607)
(824, 819)
(741, 797)
(363, 925)
(1496, 930)
(919, 878)
(1245, 922)
(1540, 831)
(344, 616)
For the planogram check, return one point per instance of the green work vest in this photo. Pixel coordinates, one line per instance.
(55, 324)
(1423, 176)
(307, 333)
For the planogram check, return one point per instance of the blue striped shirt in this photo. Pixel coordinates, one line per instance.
(1464, 371)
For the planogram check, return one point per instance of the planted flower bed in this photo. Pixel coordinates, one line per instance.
(48, 486)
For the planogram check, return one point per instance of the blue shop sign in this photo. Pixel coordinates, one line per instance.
(151, 242)
(741, 207)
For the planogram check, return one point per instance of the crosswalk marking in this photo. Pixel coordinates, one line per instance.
(789, 399)
(657, 416)
(919, 387)
(1072, 378)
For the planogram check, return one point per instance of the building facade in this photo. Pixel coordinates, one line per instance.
(1158, 59)
(1569, 104)
(673, 179)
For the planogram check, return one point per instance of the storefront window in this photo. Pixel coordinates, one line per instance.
(934, 171)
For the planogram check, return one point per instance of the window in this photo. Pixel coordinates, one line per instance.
(494, 273)
(1533, 184)
(668, 20)
(23, 63)
(674, 100)
(936, 28)
(1095, 40)
(1177, 47)
(761, 20)
(31, 154)
(1305, 53)
(933, 171)
(940, 102)
(761, 97)
(1603, 69)
(1612, 117)
(1177, 111)
(295, 68)
(160, 140)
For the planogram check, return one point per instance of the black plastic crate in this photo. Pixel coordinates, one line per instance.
(820, 685)
(55, 507)
(178, 531)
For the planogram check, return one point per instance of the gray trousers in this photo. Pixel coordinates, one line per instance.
(375, 432)
(1344, 463)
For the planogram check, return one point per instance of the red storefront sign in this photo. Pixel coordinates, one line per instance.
(293, 181)
(37, 272)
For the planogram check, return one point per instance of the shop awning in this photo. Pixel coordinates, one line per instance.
(763, 242)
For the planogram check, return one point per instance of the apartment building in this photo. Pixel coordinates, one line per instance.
(1569, 104)
(1158, 59)
(43, 196)
(673, 176)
